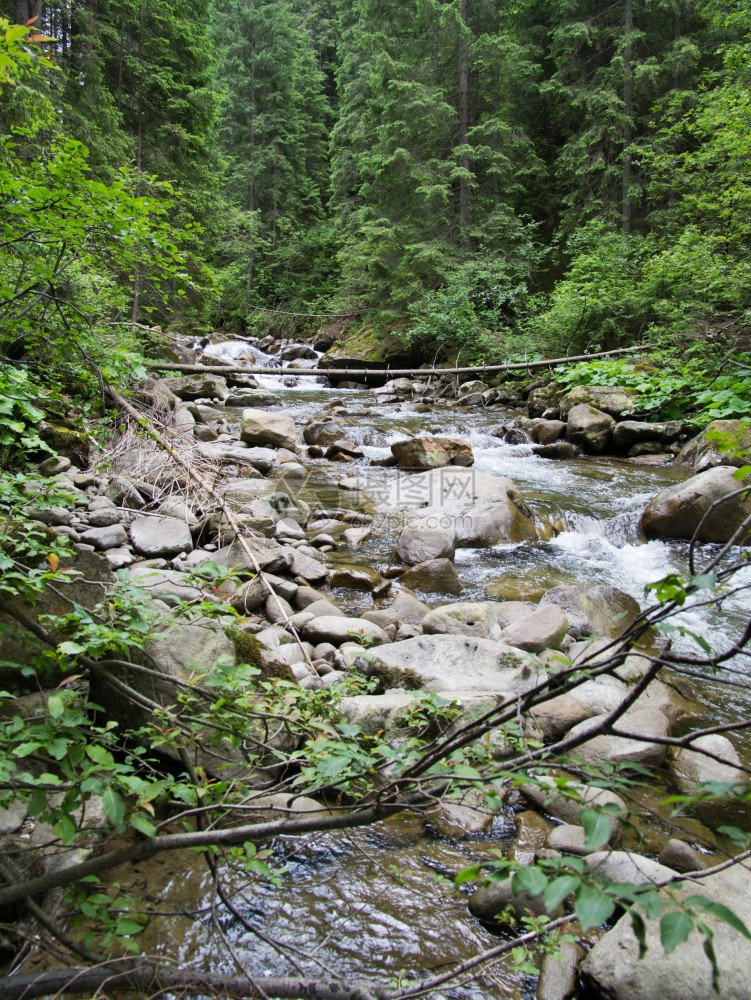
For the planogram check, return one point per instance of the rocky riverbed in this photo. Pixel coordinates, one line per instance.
(466, 540)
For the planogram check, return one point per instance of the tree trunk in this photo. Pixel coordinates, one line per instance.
(628, 108)
(464, 192)
(252, 156)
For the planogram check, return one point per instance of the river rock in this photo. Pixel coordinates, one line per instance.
(435, 576)
(338, 629)
(464, 816)
(460, 663)
(559, 972)
(432, 452)
(293, 352)
(275, 430)
(306, 566)
(615, 400)
(560, 714)
(561, 451)
(679, 856)
(252, 398)
(693, 767)
(168, 585)
(631, 432)
(589, 428)
(266, 554)
(156, 537)
(111, 536)
(419, 543)
(198, 386)
(543, 629)
(601, 610)
(541, 399)
(550, 799)
(376, 713)
(567, 838)
(547, 431)
(646, 723)
(461, 619)
(701, 453)
(678, 511)
(323, 432)
(404, 609)
(489, 902)
(616, 968)
(355, 577)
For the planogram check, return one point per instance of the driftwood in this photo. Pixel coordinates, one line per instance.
(390, 372)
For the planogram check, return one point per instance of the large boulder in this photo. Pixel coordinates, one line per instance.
(459, 663)
(703, 452)
(273, 430)
(678, 511)
(589, 428)
(323, 432)
(199, 386)
(404, 608)
(710, 758)
(467, 618)
(156, 537)
(542, 629)
(601, 610)
(630, 432)
(617, 967)
(614, 400)
(645, 724)
(432, 453)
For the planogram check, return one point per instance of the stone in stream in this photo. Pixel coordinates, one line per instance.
(558, 715)
(435, 576)
(616, 967)
(467, 618)
(405, 608)
(274, 430)
(459, 663)
(160, 536)
(293, 352)
(677, 854)
(645, 723)
(337, 629)
(692, 766)
(539, 400)
(560, 451)
(702, 453)
(546, 797)
(678, 511)
(544, 628)
(614, 400)
(419, 543)
(266, 554)
(589, 428)
(190, 387)
(490, 902)
(355, 577)
(628, 433)
(559, 975)
(252, 398)
(323, 432)
(547, 431)
(432, 452)
(600, 610)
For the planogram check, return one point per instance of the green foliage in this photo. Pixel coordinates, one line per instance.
(19, 437)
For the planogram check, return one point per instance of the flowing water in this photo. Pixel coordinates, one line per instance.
(379, 901)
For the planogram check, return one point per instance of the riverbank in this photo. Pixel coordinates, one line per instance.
(527, 607)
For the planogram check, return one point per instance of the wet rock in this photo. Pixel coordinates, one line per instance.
(568, 839)
(160, 536)
(111, 536)
(274, 430)
(543, 398)
(459, 663)
(460, 619)
(294, 351)
(323, 432)
(678, 511)
(559, 451)
(418, 544)
(630, 432)
(677, 854)
(306, 566)
(560, 714)
(464, 816)
(615, 967)
(532, 831)
(489, 903)
(543, 629)
(190, 387)
(547, 431)
(252, 398)
(552, 800)
(436, 576)
(355, 577)
(693, 767)
(601, 610)
(614, 400)
(432, 453)
(337, 629)
(701, 453)
(589, 428)
(405, 608)
(559, 976)
(645, 723)
(354, 537)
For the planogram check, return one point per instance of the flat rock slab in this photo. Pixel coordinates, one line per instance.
(164, 537)
(337, 630)
(461, 663)
(543, 629)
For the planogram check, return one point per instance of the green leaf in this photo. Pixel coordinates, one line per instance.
(675, 928)
(530, 880)
(139, 822)
(720, 911)
(640, 932)
(559, 889)
(467, 874)
(114, 806)
(597, 827)
(55, 706)
(65, 829)
(592, 907)
(70, 648)
(99, 755)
